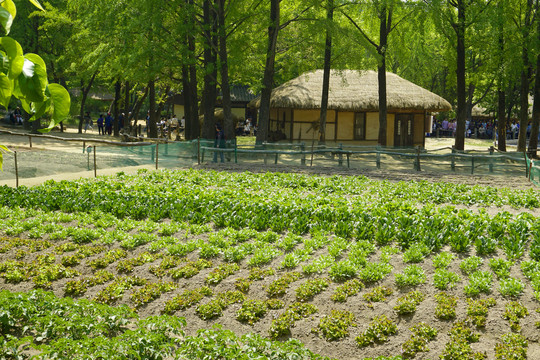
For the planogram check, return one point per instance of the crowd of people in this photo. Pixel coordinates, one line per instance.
(479, 129)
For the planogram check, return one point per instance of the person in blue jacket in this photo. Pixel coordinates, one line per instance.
(219, 142)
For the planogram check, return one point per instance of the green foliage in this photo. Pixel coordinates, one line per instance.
(378, 294)
(336, 325)
(512, 346)
(421, 335)
(221, 272)
(443, 260)
(477, 310)
(446, 306)
(500, 267)
(187, 299)
(479, 282)
(189, 270)
(349, 288)
(279, 286)
(407, 303)
(310, 288)
(445, 279)
(215, 307)
(511, 287)
(470, 264)
(319, 264)
(413, 275)
(150, 292)
(377, 331)
(513, 312)
(374, 272)
(416, 253)
(283, 324)
(252, 311)
(342, 270)
(459, 346)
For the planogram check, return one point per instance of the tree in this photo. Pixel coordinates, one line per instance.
(326, 73)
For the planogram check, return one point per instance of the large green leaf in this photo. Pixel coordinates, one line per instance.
(37, 109)
(2, 150)
(6, 87)
(32, 81)
(60, 103)
(8, 11)
(15, 56)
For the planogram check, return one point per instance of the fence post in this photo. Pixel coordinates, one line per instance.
(199, 151)
(303, 148)
(167, 147)
(491, 151)
(275, 160)
(340, 157)
(437, 133)
(16, 170)
(83, 147)
(472, 164)
(140, 129)
(453, 163)
(30, 140)
(348, 160)
(152, 155)
(378, 161)
(95, 166)
(265, 154)
(526, 167)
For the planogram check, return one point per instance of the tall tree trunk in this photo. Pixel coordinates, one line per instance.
(326, 74)
(117, 98)
(126, 100)
(137, 107)
(386, 18)
(225, 87)
(84, 95)
(268, 78)
(187, 103)
(533, 140)
(189, 72)
(525, 76)
(501, 120)
(459, 28)
(210, 71)
(152, 100)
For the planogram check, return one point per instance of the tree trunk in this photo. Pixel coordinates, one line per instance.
(385, 18)
(84, 95)
(228, 125)
(187, 103)
(501, 120)
(152, 108)
(210, 71)
(533, 141)
(126, 100)
(137, 107)
(525, 76)
(117, 97)
(326, 75)
(268, 78)
(461, 88)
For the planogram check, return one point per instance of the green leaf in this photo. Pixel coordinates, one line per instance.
(39, 108)
(6, 87)
(61, 102)
(15, 56)
(37, 4)
(32, 81)
(8, 11)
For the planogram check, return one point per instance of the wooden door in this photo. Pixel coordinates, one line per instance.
(404, 130)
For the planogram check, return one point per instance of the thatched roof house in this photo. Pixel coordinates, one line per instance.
(353, 106)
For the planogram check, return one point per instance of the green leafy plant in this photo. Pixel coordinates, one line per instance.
(477, 310)
(279, 286)
(349, 288)
(187, 299)
(378, 294)
(374, 272)
(511, 287)
(407, 303)
(342, 270)
(221, 272)
(215, 307)
(412, 275)
(500, 267)
(422, 333)
(310, 288)
(416, 253)
(470, 264)
(446, 306)
(479, 282)
(336, 325)
(377, 331)
(444, 279)
(283, 324)
(513, 312)
(443, 260)
(512, 346)
(252, 311)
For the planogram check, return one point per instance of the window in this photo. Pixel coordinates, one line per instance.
(359, 126)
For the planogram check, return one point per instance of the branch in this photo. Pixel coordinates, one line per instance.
(284, 25)
(361, 31)
(485, 92)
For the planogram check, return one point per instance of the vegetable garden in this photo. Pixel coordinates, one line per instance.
(204, 264)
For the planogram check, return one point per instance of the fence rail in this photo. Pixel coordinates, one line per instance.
(167, 154)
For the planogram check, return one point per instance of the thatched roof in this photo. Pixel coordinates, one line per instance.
(481, 112)
(353, 90)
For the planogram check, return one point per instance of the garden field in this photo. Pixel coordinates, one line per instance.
(202, 264)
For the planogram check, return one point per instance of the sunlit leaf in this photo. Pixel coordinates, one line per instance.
(5, 90)
(32, 81)
(8, 11)
(37, 4)
(15, 56)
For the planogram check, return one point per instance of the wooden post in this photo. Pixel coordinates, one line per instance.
(276, 157)
(30, 140)
(438, 133)
(348, 160)
(157, 155)
(312, 144)
(472, 164)
(152, 155)
(378, 159)
(526, 167)
(340, 156)
(83, 146)
(236, 152)
(95, 167)
(16, 170)
(491, 151)
(303, 149)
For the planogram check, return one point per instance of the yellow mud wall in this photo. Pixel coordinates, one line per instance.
(239, 112)
(345, 127)
(178, 110)
(372, 126)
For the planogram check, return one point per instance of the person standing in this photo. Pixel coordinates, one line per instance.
(219, 142)
(100, 123)
(108, 123)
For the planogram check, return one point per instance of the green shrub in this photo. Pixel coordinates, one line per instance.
(378, 331)
(336, 325)
(446, 306)
(445, 279)
(407, 303)
(412, 275)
